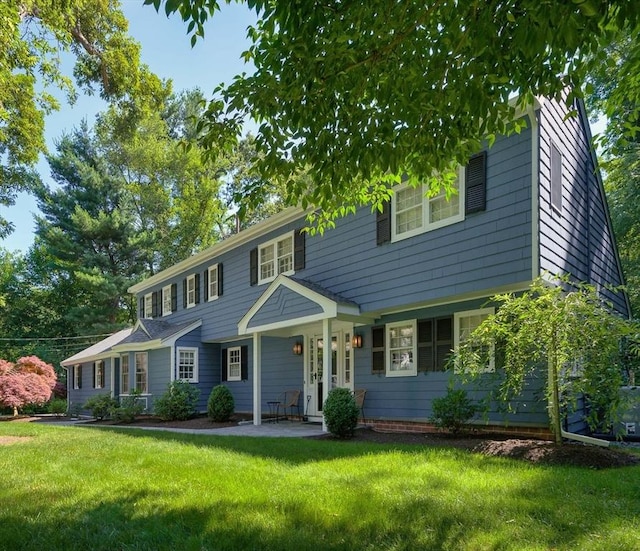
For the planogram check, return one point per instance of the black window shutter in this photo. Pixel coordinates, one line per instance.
(253, 266)
(102, 375)
(476, 183)
(444, 342)
(299, 250)
(197, 282)
(79, 368)
(425, 345)
(383, 224)
(225, 364)
(94, 375)
(377, 350)
(154, 304)
(184, 293)
(244, 363)
(174, 297)
(141, 307)
(219, 279)
(206, 284)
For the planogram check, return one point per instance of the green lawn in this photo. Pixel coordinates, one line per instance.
(91, 488)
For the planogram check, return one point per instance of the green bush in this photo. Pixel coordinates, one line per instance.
(341, 412)
(100, 405)
(453, 410)
(220, 406)
(130, 407)
(178, 403)
(57, 406)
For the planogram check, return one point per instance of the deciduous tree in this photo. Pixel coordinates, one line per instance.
(28, 381)
(566, 332)
(33, 35)
(358, 94)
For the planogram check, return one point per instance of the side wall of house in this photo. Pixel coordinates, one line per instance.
(576, 239)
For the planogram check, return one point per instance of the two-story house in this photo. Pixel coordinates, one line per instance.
(379, 302)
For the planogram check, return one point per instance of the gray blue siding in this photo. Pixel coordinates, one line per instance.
(579, 240)
(284, 304)
(488, 249)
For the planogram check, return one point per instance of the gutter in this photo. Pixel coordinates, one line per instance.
(584, 439)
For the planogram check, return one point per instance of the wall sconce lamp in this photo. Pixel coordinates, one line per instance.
(297, 348)
(356, 341)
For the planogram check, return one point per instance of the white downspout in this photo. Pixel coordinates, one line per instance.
(584, 439)
(257, 379)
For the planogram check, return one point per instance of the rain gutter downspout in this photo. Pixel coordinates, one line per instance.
(584, 439)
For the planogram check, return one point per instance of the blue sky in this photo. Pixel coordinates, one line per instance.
(167, 51)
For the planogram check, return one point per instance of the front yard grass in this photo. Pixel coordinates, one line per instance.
(107, 489)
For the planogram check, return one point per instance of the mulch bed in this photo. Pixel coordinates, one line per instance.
(531, 450)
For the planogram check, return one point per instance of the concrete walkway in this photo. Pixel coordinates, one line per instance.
(286, 429)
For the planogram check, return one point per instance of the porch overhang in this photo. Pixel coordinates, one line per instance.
(289, 302)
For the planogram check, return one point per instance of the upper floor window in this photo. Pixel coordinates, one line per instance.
(188, 364)
(415, 211)
(166, 300)
(465, 323)
(401, 349)
(191, 290)
(98, 374)
(148, 305)
(275, 257)
(212, 282)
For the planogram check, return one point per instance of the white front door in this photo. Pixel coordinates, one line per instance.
(341, 369)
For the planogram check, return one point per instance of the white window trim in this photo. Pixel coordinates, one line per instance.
(148, 306)
(426, 226)
(135, 367)
(125, 391)
(237, 349)
(180, 349)
(413, 371)
(213, 295)
(166, 292)
(77, 369)
(96, 379)
(456, 333)
(274, 244)
(191, 279)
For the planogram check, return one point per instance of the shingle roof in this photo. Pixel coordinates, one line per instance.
(98, 348)
(152, 330)
(335, 297)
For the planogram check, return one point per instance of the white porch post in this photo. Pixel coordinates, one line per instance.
(257, 379)
(326, 365)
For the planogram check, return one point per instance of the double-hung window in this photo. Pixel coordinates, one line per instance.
(191, 290)
(142, 372)
(187, 364)
(234, 363)
(124, 374)
(98, 374)
(213, 282)
(275, 257)
(166, 300)
(148, 305)
(401, 349)
(465, 323)
(77, 376)
(415, 211)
